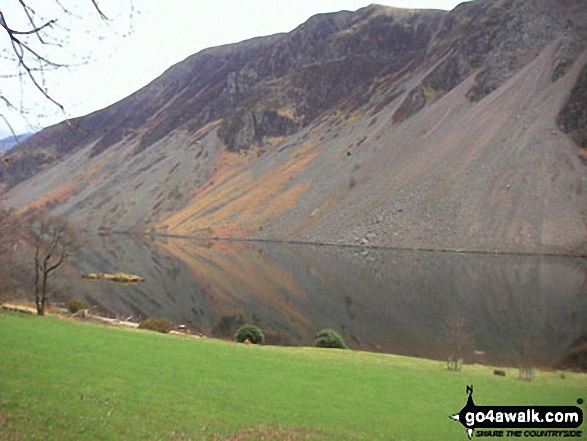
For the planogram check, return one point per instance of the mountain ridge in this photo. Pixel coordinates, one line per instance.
(379, 127)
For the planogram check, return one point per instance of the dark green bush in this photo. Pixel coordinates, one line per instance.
(75, 305)
(327, 338)
(249, 332)
(159, 325)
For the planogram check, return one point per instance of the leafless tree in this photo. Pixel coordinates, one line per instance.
(55, 239)
(7, 232)
(8, 240)
(528, 358)
(35, 39)
(458, 339)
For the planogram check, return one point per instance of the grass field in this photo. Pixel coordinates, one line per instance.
(61, 379)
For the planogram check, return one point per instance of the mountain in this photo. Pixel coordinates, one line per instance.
(10, 141)
(460, 130)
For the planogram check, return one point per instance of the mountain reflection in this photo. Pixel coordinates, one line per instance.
(515, 307)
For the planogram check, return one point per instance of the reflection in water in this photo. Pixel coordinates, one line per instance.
(517, 308)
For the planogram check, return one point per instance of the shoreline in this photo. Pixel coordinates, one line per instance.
(81, 316)
(341, 245)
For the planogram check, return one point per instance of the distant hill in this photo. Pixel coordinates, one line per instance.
(10, 141)
(461, 130)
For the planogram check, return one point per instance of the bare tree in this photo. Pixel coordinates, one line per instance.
(7, 232)
(35, 38)
(55, 240)
(8, 240)
(458, 339)
(528, 358)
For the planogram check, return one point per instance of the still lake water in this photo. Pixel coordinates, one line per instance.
(380, 300)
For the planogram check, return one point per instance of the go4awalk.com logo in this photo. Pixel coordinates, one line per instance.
(520, 421)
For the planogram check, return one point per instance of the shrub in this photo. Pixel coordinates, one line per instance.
(327, 338)
(75, 305)
(249, 332)
(159, 325)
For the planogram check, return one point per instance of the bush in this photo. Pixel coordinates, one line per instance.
(75, 305)
(159, 325)
(249, 332)
(327, 338)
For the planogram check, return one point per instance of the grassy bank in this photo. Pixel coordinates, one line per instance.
(61, 379)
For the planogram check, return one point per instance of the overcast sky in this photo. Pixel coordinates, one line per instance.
(163, 33)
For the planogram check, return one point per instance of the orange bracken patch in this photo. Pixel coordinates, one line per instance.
(234, 203)
(48, 200)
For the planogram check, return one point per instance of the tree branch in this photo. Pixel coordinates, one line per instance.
(27, 11)
(35, 30)
(16, 44)
(59, 262)
(102, 15)
(31, 61)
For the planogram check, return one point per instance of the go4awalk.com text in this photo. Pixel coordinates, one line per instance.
(520, 421)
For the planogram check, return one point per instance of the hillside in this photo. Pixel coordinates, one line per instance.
(460, 130)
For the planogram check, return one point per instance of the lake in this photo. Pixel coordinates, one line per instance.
(513, 307)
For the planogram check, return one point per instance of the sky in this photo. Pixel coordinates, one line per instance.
(109, 60)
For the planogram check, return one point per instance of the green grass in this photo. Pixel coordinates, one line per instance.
(61, 380)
